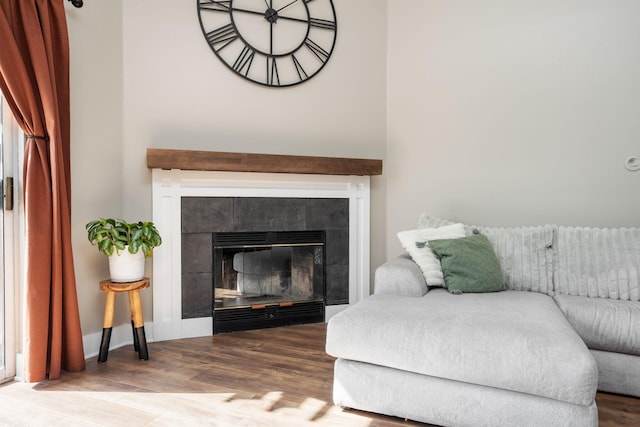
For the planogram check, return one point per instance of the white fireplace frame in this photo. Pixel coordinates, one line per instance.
(168, 188)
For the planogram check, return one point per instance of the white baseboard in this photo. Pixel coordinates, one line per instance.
(198, 327)
(120, 336)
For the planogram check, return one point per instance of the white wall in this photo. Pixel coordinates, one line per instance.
(176, 93)
(493, 112)
(506, 112)
(95, 40)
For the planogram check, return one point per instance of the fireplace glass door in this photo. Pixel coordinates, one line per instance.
(261, 269)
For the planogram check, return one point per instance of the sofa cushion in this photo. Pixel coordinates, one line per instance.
(598, 262)
(517, 341)
(414, 242)
(469, 264)
(443, 402)
(604, 324)
(618, 372)
(525, 253)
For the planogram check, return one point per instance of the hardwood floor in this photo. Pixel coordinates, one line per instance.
(270, 377)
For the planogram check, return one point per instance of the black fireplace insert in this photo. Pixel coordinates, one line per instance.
(268, 279)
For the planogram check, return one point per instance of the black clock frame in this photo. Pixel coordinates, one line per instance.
(221, 37)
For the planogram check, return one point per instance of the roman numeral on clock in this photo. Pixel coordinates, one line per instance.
(215, 6)
(302, 75)
(273, 78)
(318, 51)
(224, 36)
(322, 23)
(244, 61)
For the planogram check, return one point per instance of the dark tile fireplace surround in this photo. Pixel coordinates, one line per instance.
(201, 217)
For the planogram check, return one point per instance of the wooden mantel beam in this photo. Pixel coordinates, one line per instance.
(158, 158)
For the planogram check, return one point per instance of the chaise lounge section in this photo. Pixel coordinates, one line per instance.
(533, 354)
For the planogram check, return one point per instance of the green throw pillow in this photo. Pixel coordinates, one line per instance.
(469, 264)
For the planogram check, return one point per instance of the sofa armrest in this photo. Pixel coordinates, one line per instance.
(400, 276)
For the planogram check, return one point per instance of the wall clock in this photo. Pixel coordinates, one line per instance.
(276, 43)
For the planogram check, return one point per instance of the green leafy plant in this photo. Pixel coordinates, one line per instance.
(113, 235)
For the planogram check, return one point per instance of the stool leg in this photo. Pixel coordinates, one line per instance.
(107, 326)
(104, 345)
(136, 344)
(143, 353)
(138, 324)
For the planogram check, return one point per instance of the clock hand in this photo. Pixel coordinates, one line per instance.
(271, 37)
(269, 16)
(286, 6)
(324, 24)
(235, 9)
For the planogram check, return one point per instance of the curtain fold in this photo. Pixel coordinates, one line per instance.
(34, 79)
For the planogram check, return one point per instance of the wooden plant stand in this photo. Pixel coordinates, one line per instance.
(137, 319)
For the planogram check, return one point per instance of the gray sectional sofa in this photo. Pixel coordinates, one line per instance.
(534, 354)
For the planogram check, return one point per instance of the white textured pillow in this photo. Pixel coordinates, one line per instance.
(598, 262)
(525, 253)
(415, 243)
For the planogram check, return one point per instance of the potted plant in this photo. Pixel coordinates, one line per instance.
(126, 244)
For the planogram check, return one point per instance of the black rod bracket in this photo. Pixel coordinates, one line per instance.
(77, 3)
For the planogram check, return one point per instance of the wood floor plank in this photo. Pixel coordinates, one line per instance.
(271, 377)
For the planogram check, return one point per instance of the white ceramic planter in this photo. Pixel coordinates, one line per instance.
(126, 267)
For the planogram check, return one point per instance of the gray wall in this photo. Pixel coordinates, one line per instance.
(508, 112)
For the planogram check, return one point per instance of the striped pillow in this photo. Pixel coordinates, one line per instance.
(525, 253)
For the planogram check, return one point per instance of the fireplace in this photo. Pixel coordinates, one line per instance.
(267, 279)
(182, 265)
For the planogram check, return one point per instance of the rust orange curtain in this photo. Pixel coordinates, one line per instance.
(34, 79)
